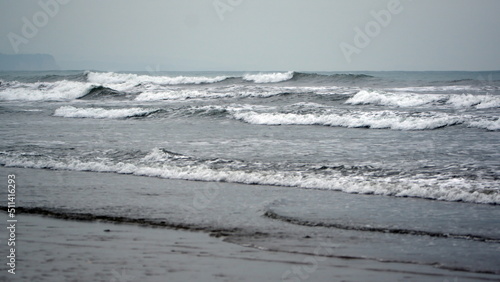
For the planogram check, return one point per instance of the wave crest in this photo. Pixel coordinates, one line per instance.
(375, 120)
(101, 113)
(166, 164)
(181, 94)
(365, 97)
(269, 77)
(127, 81)
(492, 125)
(119, 78)
(45, 91)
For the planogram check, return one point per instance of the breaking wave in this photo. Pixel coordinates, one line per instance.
(365, 97)
(492, 125)
(165, 164)
(218, 93)
(126, 81)
(305, 77)
(44, 91)
(269, 77)
(101, 113)
(181, 94)
(100, 92)
(294, 114)
(353, 119)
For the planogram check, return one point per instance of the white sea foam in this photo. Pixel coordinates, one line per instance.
(156, 164)
(127, 81)
(376, 120)
(307, 105)
(492, 125)
(209, 110)
(181, 94)
(215, 93)
(477, 101)
(444, 88)
(269, 77)
(461, 101)
(387, 99)
(45, 91)
(100, 113)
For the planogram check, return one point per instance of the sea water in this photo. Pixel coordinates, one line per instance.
(415, 153)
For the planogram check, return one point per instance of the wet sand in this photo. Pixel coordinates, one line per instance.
(83, 226)
(51, 249)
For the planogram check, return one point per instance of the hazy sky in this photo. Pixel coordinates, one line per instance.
(322, 35)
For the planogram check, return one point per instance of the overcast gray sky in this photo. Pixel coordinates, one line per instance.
(310, 35)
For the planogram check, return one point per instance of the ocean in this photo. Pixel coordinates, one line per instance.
(389, 166)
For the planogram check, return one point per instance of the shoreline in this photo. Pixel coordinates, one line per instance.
(116, 226)
(52, 249)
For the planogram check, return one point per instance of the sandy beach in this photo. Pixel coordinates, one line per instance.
(225, 239)
(63, 250)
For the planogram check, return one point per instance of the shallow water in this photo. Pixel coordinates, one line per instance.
(406, 162)
(455, 236)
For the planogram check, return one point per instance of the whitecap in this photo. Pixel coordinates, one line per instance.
(375, 120)
(269, 77)
(101, 113)
(45, 91)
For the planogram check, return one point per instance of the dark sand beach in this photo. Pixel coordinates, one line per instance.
(223, 240)
(63, 250)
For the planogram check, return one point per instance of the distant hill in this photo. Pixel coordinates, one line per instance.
(27, 62)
